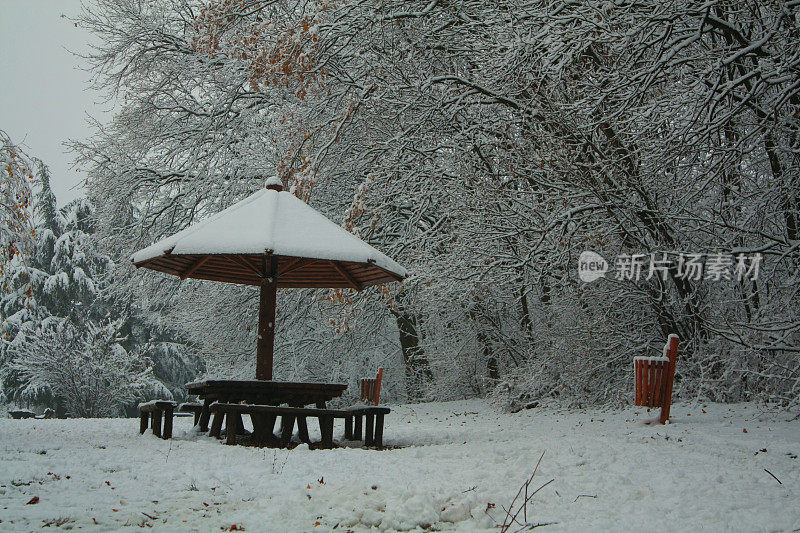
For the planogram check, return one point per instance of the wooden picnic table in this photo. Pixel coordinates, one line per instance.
(21, 413)
(260, 392)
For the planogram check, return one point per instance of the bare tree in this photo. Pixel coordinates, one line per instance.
(485, 146)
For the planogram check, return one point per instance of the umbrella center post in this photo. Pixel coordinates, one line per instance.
(266, 318)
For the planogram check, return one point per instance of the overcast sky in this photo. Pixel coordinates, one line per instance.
(44, 96)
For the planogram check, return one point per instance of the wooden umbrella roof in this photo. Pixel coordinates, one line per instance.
(237, 244)
(293, 272)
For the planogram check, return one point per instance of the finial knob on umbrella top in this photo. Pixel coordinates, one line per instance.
(274, 183)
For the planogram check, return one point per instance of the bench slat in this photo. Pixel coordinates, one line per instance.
(297, 411)
(373, 435)
(156, 405)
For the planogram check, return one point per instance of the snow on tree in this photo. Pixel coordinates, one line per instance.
(16, 228)
(63, 294)
(86, 369)
(484, 146)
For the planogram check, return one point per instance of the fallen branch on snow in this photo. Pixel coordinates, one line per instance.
(523, 506)
(773, 475)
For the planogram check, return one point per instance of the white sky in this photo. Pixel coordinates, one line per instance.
(45, 98)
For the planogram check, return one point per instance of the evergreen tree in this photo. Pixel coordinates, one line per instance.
(61, 296)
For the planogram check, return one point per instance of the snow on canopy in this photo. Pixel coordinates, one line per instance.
(270, 220)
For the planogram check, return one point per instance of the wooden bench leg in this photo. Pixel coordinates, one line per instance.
(232, 427)
(205, 415)
(239, 423)
(259, 431)
(216, 424)
(144, 419)
(263, 425)
(348, 427)
(302, 430)
(379, 430)
(270, 426)
(326, 428)
(167, 423)
(197, 416)
(357, 428)
(156, 417)
(369, 433)
(287, 427)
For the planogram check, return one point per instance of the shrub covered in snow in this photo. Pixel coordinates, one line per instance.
(85, 369)
(63, 294)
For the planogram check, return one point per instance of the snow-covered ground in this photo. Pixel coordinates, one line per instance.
(456, 466)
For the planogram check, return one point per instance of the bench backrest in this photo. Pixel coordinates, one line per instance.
(371, 389)
(654, 378)
(671, 348)
(671, 352)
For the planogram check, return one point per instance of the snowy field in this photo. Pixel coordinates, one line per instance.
(455, 467)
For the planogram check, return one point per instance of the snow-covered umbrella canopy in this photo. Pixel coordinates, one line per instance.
(271, 239)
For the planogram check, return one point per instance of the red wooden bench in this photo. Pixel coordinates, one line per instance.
(371, 389)
(653, 379)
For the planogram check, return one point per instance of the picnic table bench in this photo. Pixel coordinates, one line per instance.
(24, 413)
(154, 412)
(192, 407)
(264, 402)
(294, 394)
(263, 418)
(21, 413)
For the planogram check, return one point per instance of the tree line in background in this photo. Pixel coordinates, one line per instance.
(484, 146)
(68, 343)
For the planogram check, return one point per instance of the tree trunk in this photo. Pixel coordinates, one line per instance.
(418, 370)
(790, 210)
(488, 355)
